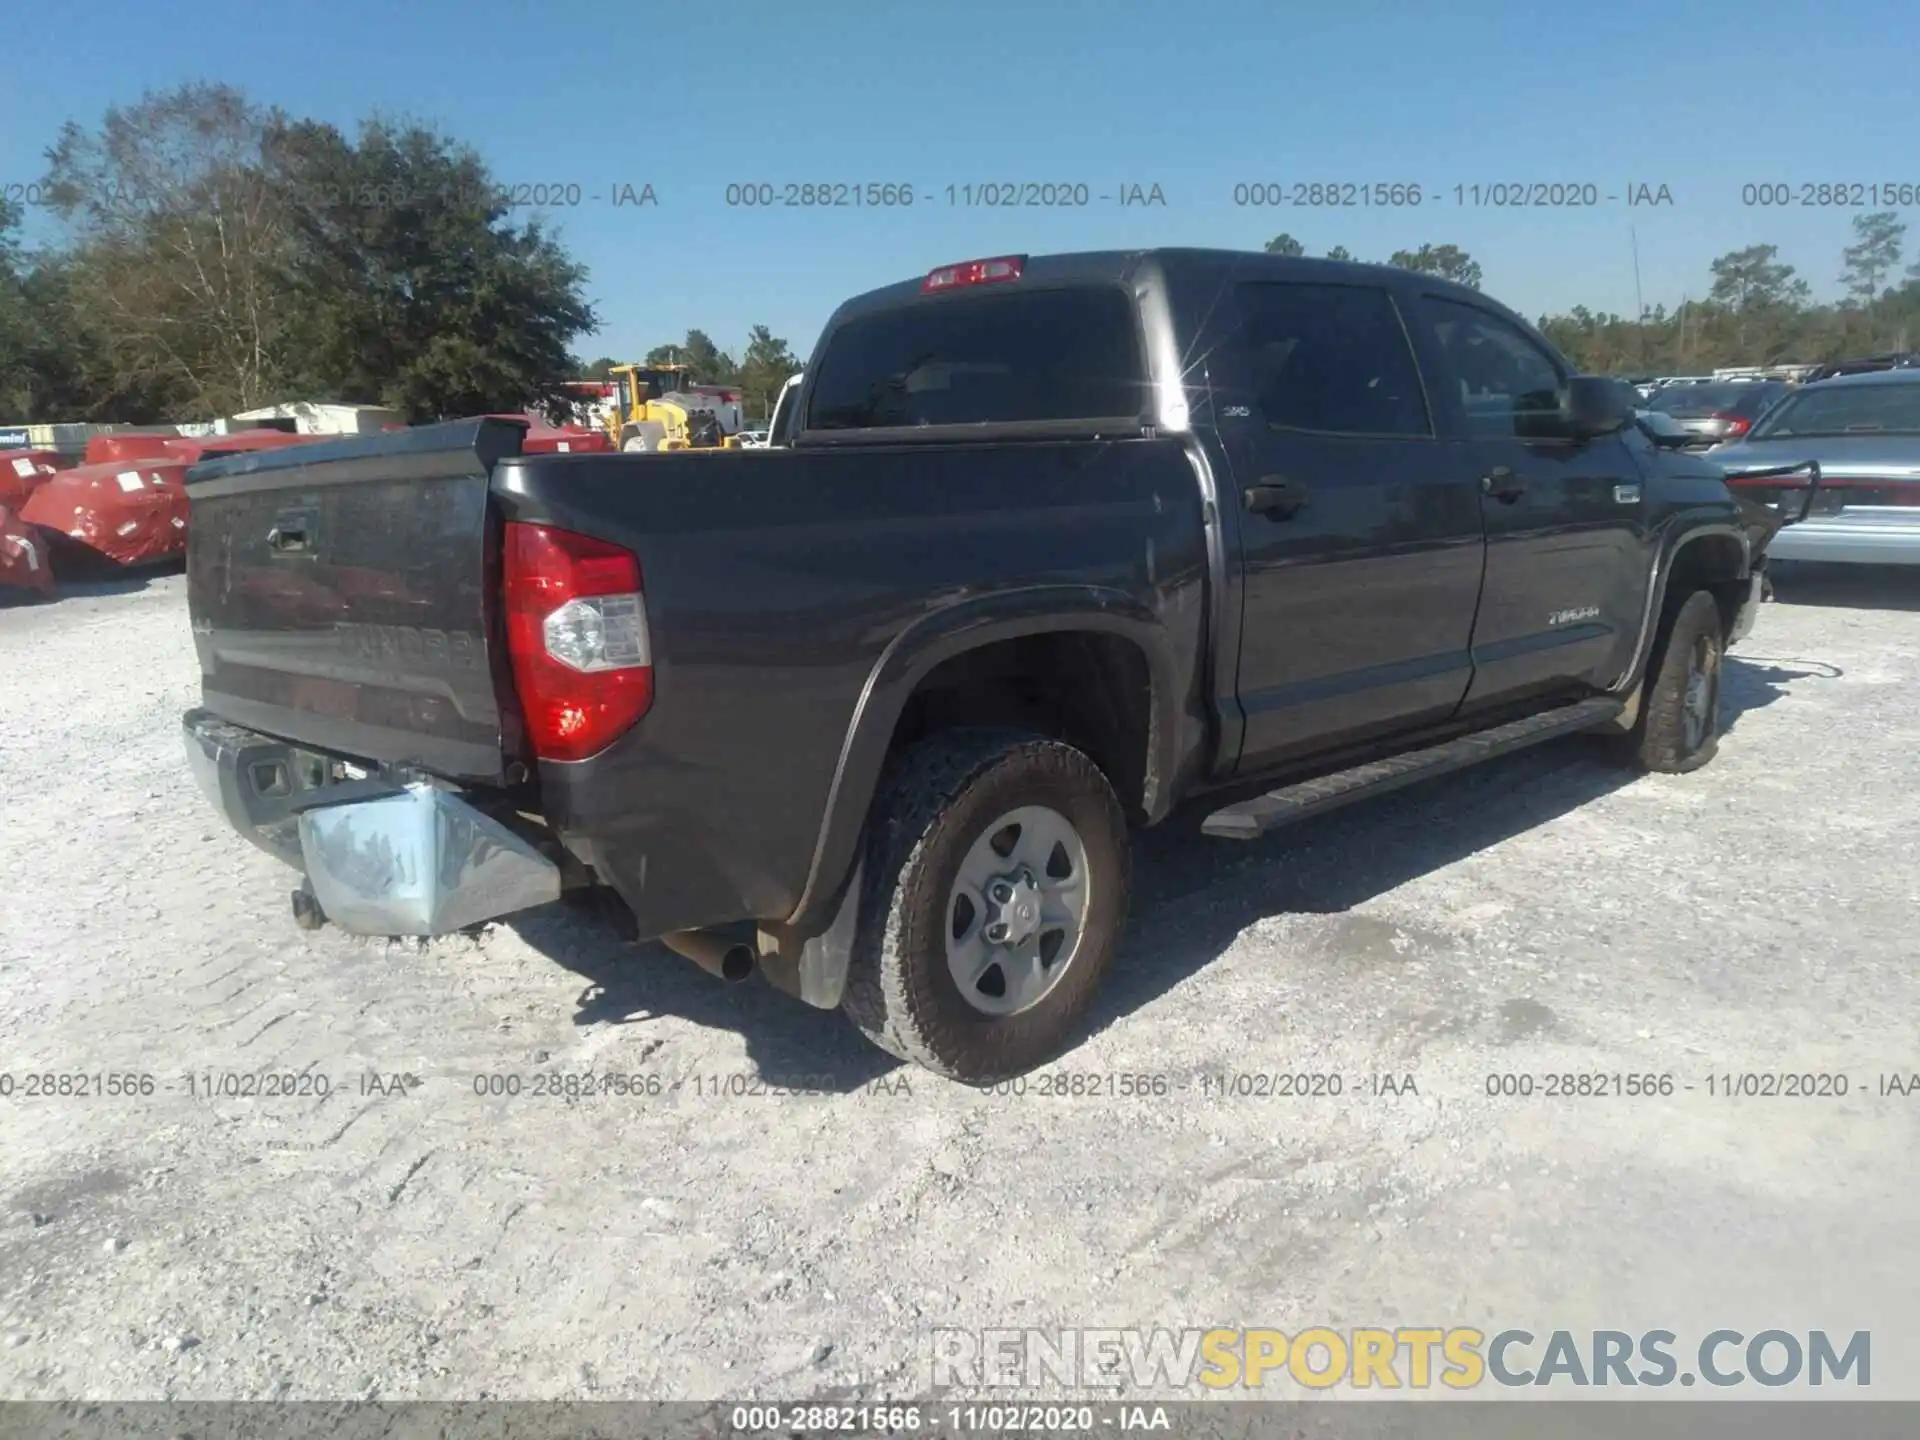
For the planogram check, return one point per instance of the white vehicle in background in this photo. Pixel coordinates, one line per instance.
(1864, 430)
(725, 403)
(782, 415)
(753, 439)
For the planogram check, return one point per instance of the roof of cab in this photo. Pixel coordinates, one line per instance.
(1117, 267)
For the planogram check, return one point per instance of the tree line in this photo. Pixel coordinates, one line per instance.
(211, 256)
(1754, 309)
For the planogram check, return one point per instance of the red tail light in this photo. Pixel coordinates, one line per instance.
(1736, 424)
(973, 272)
(577, 638)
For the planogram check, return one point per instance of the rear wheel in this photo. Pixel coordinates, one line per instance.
(1679, 726)
(1000, 868)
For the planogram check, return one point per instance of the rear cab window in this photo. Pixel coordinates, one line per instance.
(996, 357)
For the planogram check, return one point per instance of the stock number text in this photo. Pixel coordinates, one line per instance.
(1854, 195)
(832, 195)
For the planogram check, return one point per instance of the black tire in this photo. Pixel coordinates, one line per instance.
(935, 803)
(1692, 643)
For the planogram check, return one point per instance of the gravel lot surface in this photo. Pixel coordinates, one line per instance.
(416, 1239)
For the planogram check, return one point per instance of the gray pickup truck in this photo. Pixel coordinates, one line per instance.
(1045, 547)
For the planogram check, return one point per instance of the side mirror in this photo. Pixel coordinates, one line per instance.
(1595, 405)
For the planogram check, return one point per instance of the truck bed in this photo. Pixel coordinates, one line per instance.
(788, 592)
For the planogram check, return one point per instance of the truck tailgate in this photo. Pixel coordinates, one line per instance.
(342, 595)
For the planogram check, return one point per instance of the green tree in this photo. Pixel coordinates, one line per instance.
(52, 368)
(765, 367)
(1340, 252)
(709, 364)
(16, 323)
(1754, 278)
(1874, 255)
(1285, 245)
(601, 369)
(1449, 262)
(1760, 299)
(178, 245)
(410, 286)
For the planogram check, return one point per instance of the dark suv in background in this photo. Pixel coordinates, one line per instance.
(1866, 365)
(1717, 413)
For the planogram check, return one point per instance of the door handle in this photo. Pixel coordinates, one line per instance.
(1503, 485)
(1276, 497)
(293, 534)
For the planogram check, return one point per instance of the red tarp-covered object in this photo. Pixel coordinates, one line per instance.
(23, 554)
(193, 449)
(128, 503)
(572, 440)
(544, 439)
(130, 512)
(24, 471)
(104, 448)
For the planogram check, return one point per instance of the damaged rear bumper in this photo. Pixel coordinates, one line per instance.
(384, 857)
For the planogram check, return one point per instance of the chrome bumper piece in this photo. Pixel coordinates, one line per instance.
(1858, 535)
(423, 862)
(383, 859)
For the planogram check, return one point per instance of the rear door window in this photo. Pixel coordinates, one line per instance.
(1331, 358)
(984, 359)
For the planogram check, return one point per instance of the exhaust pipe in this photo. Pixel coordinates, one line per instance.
(730, 960)
(307, 913)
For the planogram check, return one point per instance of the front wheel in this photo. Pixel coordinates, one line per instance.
(999, 867)
(1679, 729)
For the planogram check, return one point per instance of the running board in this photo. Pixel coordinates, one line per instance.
(1253, 818)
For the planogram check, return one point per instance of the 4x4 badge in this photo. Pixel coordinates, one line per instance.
(1626, 494)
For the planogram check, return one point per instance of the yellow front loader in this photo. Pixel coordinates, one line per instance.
(655, 408)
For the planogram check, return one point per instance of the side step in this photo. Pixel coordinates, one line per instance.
(1253, 818)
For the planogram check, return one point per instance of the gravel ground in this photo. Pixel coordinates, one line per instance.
(414, 1239)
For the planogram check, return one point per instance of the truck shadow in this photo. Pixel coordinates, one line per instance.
(1193, 897)
(1752, 682)
(1202, 894)
(1199, 892)
(788, 1043)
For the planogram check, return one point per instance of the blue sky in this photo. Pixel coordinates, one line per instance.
(1107, 93)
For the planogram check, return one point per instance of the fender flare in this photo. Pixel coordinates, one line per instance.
(953, 630)
(1683, 534)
